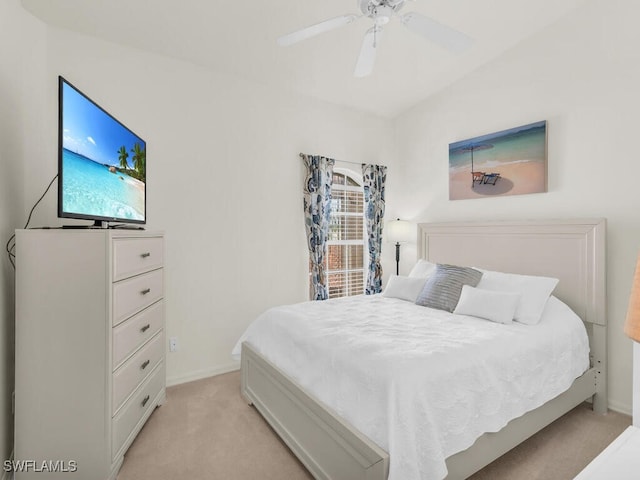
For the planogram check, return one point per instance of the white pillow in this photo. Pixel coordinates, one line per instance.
(498, 307)
(534, 292)
(404, 288)
(422, 269)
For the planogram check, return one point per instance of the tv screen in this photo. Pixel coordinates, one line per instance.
(101, 163)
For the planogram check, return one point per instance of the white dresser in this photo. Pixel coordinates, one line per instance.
(90, 348)
(619, 461)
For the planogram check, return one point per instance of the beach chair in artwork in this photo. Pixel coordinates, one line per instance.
(477, 177)
(490, 178)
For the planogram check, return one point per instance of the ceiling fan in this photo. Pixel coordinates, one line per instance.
(381, 12)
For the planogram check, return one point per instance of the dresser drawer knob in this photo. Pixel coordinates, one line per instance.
(144, 365)
(146, 399)
(145, 291)
(145, 254)
(145, 328)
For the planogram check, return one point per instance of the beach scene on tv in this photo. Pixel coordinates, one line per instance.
(509, 162)
(103, 163)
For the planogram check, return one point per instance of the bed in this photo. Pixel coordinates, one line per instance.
(332, 448)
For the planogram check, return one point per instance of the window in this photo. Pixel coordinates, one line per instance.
(345, 259)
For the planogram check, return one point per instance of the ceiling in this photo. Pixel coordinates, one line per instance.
(238, 37)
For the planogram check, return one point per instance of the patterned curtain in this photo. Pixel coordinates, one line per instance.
(317, 208)
(373, 180)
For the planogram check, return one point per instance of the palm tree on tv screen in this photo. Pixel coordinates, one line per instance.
(122, 156)
(139, 160)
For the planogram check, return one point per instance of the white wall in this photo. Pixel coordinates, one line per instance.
(583, 76)
(224, 182)
(22, 55)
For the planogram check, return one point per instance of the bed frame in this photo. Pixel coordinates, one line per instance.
(570, 250)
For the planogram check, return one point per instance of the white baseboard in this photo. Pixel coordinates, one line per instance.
(200, 374)
(619, 407)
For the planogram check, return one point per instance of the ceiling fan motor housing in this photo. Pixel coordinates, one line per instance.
(380, 11)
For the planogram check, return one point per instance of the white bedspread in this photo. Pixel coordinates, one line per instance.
(423, 384)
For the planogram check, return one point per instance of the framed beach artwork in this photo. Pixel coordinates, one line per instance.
(510, 162)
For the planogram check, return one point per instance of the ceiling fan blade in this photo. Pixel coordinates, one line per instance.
(316, 29)
(367, 57)
(436, 32)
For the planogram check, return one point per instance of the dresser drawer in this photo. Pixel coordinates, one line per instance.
(134, 294)
(132, 256)
(136, 407)
(134, 370)
(132, 333)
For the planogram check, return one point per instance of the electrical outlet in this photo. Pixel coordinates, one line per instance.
(173, 344)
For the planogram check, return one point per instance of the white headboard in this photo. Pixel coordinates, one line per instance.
(570, 250)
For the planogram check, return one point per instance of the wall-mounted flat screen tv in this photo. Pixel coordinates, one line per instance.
(102, 164)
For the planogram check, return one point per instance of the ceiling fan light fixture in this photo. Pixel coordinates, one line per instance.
(382, 14)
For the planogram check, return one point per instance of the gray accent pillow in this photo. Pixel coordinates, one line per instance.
(442, 289)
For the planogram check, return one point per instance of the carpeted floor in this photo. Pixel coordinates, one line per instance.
(205, 430)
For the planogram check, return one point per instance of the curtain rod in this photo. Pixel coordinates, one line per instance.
(341, 161)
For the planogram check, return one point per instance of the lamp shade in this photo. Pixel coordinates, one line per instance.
(400, 231)
(632, 324)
